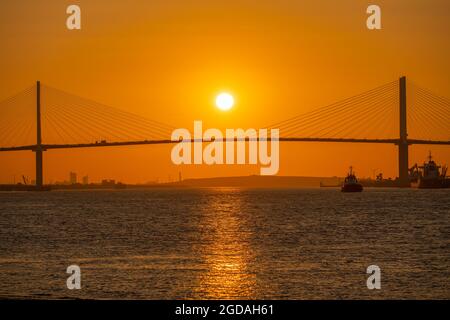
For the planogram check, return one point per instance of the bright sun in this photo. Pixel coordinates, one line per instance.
(224, 101)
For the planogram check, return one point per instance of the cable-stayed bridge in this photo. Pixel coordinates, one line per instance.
(42, 118)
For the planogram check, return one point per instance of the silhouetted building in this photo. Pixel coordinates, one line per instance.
(106, 182)
(73, 178)
(86, 180)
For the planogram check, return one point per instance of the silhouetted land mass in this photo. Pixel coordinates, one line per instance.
(280, 182)
(260, 182)
(240, 181)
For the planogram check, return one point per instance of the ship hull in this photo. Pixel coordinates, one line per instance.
(433, 184)
(356, 187)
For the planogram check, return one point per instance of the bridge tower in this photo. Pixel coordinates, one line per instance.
(39, 150)
(403, 174)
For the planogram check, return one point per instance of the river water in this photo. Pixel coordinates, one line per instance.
(225, 243)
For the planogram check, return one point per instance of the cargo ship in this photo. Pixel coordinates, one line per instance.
(429, 176)
(351, 183)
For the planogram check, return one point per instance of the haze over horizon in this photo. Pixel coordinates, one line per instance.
(168, 60)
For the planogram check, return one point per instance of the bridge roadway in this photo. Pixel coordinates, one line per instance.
(150, 142)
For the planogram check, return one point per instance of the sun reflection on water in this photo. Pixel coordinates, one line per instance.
(225, 249)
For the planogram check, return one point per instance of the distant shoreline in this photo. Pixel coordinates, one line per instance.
(254, 181)
(237, 181)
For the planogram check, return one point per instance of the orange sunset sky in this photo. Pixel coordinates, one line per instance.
(167, 60)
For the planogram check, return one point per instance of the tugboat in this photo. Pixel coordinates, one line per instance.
(430, 175)
(351, 183)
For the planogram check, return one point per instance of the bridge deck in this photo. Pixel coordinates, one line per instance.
(150, 142)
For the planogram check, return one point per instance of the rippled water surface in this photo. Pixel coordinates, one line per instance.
(225, 243)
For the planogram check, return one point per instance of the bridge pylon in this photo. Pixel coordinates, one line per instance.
(39, 150)
(403, 145)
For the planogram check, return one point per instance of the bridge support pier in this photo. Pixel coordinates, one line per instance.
(39, 169)
(403, 166)
(403, 179)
